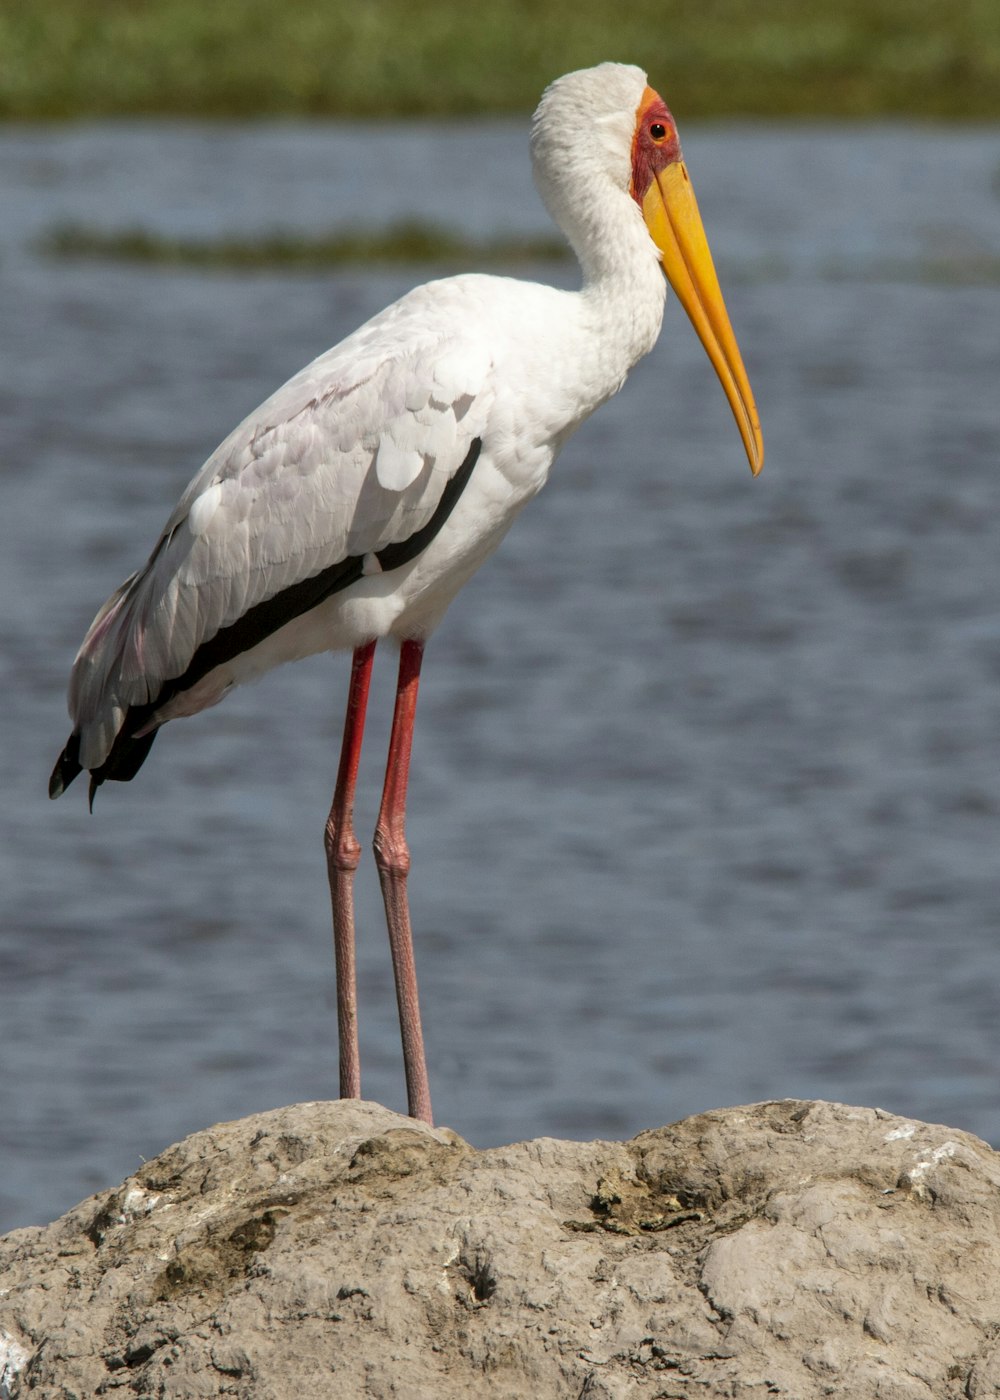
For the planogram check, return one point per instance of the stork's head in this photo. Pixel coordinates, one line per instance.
(607, 128)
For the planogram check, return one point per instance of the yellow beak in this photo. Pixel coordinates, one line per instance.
(671, 214)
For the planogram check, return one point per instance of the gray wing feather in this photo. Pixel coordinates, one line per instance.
(350, 455)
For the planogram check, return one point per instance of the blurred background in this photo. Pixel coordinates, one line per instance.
(705, 801)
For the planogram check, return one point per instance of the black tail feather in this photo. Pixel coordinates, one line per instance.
(127, 756)
(121, 765)
(67, 767)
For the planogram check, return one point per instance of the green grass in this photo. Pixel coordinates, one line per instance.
(387, 58)
(403, 244)
(419, 245)
(969, 270)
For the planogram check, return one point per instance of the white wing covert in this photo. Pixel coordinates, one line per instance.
(350, 456)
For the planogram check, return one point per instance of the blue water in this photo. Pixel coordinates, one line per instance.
(705, 802)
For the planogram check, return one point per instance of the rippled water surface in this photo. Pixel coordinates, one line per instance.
(706, 792)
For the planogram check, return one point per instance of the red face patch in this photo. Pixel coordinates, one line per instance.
(655, 143)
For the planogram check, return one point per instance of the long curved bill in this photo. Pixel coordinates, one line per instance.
(671, 214)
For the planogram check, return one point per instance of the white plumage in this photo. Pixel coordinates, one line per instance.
(356, 500)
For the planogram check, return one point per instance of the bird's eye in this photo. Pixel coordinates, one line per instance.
(658, 131)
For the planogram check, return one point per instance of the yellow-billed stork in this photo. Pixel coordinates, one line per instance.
(354, 502)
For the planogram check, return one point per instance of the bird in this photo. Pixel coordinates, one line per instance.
(354, 503)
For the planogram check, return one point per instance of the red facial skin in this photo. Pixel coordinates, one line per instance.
(651, 153)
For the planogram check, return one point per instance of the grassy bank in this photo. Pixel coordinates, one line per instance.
(393, 58)
(419, 245)
(402, 245)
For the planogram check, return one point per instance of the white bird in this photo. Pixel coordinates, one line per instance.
(354, 502)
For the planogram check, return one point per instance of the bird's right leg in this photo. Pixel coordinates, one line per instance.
(343, 851)
(392, 856)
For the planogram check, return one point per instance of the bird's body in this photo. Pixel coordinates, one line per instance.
(354, 502)
(350, 457)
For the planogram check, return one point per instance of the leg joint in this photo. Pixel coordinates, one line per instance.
(343, 850)
(392, 854)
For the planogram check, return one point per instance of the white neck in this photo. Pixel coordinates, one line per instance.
(624, 289)
(581, 155)
(615, 317)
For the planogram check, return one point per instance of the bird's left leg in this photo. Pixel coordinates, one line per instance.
(342, 855)
(392, 856)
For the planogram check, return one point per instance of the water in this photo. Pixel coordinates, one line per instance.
(706, 788)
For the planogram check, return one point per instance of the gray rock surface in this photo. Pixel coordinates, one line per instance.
(338, 1250)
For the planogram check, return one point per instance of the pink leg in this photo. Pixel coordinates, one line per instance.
(342, 855)
(392, 857)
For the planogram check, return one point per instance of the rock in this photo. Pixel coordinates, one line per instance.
(337, 1250)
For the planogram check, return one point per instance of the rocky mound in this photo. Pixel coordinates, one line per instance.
(337, 1250)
